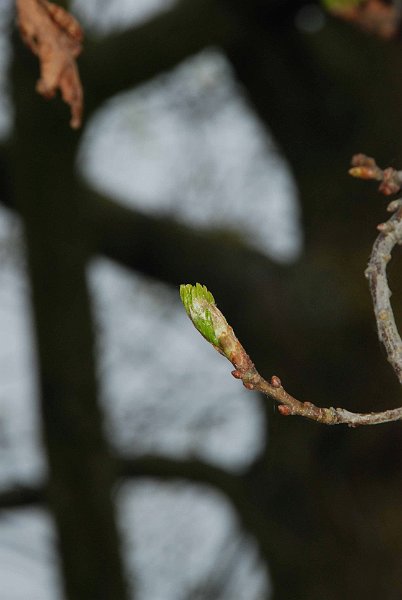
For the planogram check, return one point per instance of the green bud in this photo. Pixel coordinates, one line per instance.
(203, 312)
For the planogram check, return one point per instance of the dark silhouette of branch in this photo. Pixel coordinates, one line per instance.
(153, 245)
(22, 496)
(195, 470)
(232, 486)
(376, 273)
(126, 59)
(159, 467)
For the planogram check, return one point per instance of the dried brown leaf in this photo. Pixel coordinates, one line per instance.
(56, 38)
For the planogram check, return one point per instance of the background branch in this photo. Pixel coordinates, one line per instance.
(126, 59)
(22, 496)
(234, 488)
(153, 246)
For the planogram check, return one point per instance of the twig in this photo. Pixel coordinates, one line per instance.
(376, 273)
(210, 322)
(365, 167)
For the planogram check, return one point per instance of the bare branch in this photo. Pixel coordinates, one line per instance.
(131, 57)
(234, 487)
(288, 405)
(210, 322)
(376, 273)
(146, 466)
(22, 496)
(194, 470)
(124, 235)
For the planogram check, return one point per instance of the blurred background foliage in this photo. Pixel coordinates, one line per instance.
(215, 148)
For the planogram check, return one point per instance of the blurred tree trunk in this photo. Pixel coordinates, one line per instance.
(81, 470)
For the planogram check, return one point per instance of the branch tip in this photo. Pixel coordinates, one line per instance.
(210, 322)
(365, 167)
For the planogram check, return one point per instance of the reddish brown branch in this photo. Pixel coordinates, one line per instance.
(288, 405)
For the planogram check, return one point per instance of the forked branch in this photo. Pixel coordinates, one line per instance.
(210, 322)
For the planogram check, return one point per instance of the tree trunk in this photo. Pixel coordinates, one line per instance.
(81, 470)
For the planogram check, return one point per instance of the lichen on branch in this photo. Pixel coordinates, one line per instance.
(55, 36)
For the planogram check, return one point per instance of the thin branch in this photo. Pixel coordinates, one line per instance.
(126, 59)
(376, 273)
(22, 497)
(288, 405)
(159, 467)
(153, 245)
(194, 470)
(233, 486)
(210, 322)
